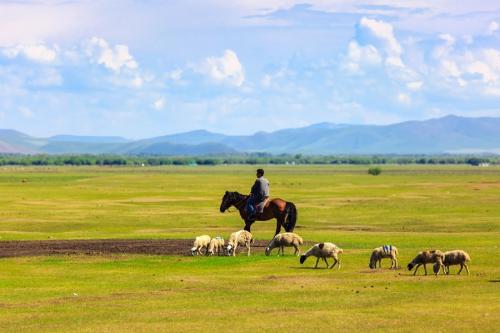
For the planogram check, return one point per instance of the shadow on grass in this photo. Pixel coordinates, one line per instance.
(308, 267)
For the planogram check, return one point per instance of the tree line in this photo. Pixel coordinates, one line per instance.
(251, 158)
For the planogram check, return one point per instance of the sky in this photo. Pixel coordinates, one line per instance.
(145, 68)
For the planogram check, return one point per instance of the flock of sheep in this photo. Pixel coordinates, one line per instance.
(243, 238)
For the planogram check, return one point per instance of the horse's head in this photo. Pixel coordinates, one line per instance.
(227, 201)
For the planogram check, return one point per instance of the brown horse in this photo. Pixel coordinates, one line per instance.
(284, 212)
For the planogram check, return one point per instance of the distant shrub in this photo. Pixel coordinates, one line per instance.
(374, 171)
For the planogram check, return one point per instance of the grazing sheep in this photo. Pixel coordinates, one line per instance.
(285, 239)
(386, 251)
(427, 257)
(242, 238)
(456, 257)
(323, 250)
(199, 243)
(216, 245)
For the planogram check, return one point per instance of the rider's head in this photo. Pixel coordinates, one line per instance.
(260, 172)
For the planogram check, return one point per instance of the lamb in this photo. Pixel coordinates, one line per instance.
(323, 250)
(242, 238)
(386, 251)
(285, 239)
(427, 257)
(216, 245)
(199, 243)
(456, 257)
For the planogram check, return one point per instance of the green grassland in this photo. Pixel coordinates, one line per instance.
(412, 207)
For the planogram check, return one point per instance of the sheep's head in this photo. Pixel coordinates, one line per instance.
(193, 250)
(410, 266)
(229, 249)
(303, 258)
(268, 251)
(436, 267)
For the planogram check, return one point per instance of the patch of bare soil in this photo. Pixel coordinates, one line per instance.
(101, 246)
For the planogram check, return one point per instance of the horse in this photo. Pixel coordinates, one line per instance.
(283, 211)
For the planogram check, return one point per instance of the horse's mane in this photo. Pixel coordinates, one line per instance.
(237, 195)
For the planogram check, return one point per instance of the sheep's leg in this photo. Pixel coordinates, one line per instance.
(326, 262)
(297, 250)
(317, 260)
(395, 263)
(380, 263)
(461, 267)
(234, 249)
(334, 263)
(416, 269)
(282, 250)
(338, 266)
(467, 269)
(248, 246)
(425, 269)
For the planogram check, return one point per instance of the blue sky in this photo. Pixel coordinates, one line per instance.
(146, 68)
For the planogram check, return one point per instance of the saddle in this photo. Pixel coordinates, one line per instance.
(259, 208)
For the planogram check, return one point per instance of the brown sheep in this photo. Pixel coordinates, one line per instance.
(285, 239)
(386, 251)
(456, 257)
(323, 250)
(427, 257)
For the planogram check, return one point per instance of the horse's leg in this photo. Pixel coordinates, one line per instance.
(248, 224)
(278, 226)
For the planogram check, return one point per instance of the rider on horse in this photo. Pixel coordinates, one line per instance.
(258, 194)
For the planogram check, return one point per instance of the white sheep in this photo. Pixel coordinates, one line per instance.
(285, 239)
(199, 243)
(216, 245)
(427, 257)
(455, 257)
(241, 238)
(386, 251)
(323, 250)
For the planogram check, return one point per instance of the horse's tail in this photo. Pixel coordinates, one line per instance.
(290, 216)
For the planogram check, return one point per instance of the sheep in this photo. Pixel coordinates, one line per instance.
(242, 238)
(427, 257)
(285, 239)
(323, 250)
(199, 243)
(456, 257)
(216, 245)
(386, 251)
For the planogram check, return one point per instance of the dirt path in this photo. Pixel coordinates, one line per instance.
(101, 246)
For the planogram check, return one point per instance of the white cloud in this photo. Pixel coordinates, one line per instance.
(226, 69)
(25, 112)
(159, 104)
(358, 56)
(112, 57)
(33, 52)
(492, 27)
(175, 75)
(47, 78)
(404, 99)
(415, 85)
(383, 32)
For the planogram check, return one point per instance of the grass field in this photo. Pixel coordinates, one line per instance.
(412, 207)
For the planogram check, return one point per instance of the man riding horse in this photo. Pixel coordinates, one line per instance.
(258, 195)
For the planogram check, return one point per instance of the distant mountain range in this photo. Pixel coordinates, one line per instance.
(450, 134)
